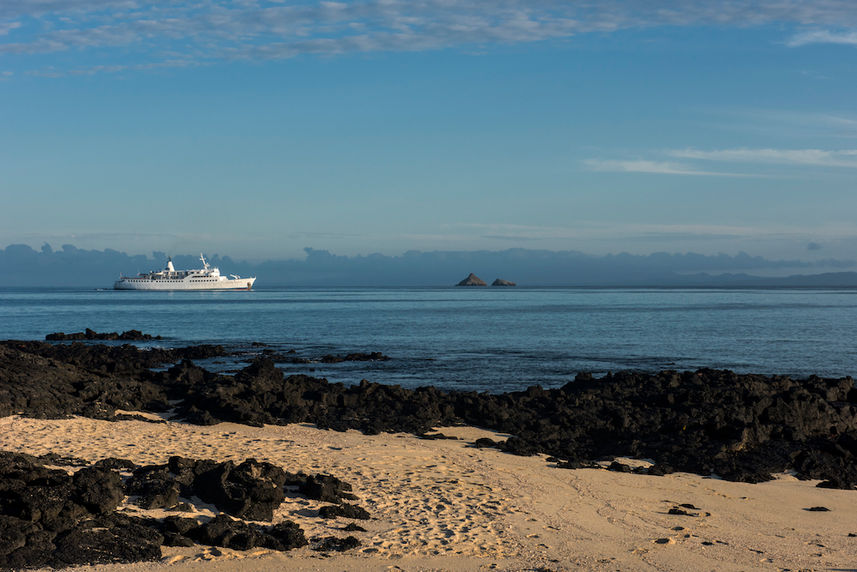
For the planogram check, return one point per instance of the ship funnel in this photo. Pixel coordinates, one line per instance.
(170, 267)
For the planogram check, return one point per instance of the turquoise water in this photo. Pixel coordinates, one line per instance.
(485, 339)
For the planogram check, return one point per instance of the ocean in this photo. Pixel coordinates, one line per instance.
(484, 339)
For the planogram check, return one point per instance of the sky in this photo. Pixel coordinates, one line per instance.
(254, 129)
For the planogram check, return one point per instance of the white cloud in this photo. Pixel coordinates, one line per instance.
(6, 27)
(209, 30)
(691, 158)
(823, 37)
(815, 157)
(653, 167)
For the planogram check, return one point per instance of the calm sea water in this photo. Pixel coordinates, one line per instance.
(483, 339)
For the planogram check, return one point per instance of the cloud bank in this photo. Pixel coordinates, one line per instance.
(21, 265)
(126, 34)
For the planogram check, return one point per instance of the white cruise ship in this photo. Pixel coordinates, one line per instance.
(205, 278)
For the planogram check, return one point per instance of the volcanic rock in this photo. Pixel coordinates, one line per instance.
(501, 282)
(228, 533)
(130, 335)
(740, 427)
(353, 527)
(51, 519)
(357, 356)
(48, 518)
(472, 280)
(485, 442)
(250, 490)
(98, 489)
(285, 535)
(238, 535)
(437, 437)
(334, 544)
(154, 486)
(109, 539)
(345, 511)
(619, 467)
(47, 380)
(320, 487)
(175, 529)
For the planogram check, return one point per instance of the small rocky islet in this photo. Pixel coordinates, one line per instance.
(473, 280)
(740, 427)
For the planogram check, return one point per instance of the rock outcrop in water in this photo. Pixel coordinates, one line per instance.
(130, 336)
(291, 357)
(501, 282)
(472, 280)
(356, 356)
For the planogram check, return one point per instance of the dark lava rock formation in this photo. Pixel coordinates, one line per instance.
(291, 357)
(472, 280)
(344, 510)
(334, 544)
(49, 518)
(238, 535)
(250, 490)
(46, 380)
(501, 282)
(740, 427)
(357, 356)
(130, 335)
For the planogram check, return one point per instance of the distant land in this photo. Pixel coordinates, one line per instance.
(23, 266)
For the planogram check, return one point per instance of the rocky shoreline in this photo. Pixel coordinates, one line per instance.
(739, 427)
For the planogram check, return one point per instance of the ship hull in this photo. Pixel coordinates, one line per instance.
(185, 284)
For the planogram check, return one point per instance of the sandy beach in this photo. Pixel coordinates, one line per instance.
(446, 505)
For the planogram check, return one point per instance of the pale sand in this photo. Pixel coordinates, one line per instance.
(444, 505)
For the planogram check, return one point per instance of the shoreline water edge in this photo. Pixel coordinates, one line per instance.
(198, 468)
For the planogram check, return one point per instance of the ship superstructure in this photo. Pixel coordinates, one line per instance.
(205, 278)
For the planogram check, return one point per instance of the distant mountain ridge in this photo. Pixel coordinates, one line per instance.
(23, 266)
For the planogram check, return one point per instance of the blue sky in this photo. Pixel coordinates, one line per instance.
(254, 129)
